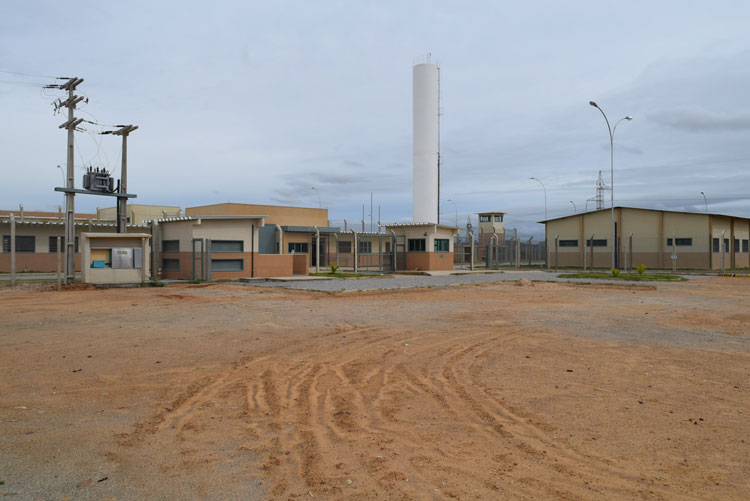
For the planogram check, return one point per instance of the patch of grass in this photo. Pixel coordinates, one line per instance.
(157, 283)
(195, 281)
(626, 276)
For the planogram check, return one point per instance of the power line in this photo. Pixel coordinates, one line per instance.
(26, 84)
(30, 75)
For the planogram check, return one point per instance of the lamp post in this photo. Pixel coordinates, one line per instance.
(575, 209)
(456, 208)
(63, 174)
(611, 170)
(545, 196)
(316, 191)
(705, 201)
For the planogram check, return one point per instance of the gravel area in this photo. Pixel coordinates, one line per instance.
(412, 281)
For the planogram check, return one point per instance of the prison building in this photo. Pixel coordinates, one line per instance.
(36, 234)
(648, 236)
(217, 248)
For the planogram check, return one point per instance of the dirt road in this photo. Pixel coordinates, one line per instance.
(483, 391)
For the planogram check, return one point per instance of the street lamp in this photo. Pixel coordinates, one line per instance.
(456, 208)
(63, 174)
(575, 209)
(705, 201)
(611, 169)
(316, 191)
(545, 196)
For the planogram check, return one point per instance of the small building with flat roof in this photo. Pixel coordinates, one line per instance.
(697, 240)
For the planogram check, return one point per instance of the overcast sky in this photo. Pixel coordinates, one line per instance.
(257, 102)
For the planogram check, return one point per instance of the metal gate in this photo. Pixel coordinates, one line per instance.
(199, 259)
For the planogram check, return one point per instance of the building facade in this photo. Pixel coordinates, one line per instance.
(650, 237)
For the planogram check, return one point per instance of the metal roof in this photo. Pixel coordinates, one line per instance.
(77, 223)
(406, 225)
(311, 229)
(608, 209)
(198, 218)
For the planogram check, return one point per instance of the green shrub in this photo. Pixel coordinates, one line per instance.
(615, 272)
(640, 268)
(333, 268)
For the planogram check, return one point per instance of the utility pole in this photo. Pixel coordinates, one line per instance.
(70, 125)
(122, 202)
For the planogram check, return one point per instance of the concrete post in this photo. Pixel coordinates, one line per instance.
(336, 236)
(518, 253)
(380, 249)
(592, 252)
(12, 249)
(529, 249)
(674, 252)
(723, 253)
(59, 263)
(317, 249)
(471, 239)
(557, 251)
(355, 252)
(281, 238)
(393, 251)
(144, 263)
(209, 267)
(585, 261)
(630, 253)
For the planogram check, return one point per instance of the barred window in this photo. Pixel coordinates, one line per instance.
(417, 245)
(227, 245)
(442, 245)
(686, 242)
(568, 243)
(298, 247)
(227, 264)
(174, 246)
(364, 247)
(23, 243)
(597, 242)
(345, 247)
(169, 264)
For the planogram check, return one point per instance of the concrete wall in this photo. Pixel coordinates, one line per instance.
(300, 264)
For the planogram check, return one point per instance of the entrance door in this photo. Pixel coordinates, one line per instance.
(199, 268)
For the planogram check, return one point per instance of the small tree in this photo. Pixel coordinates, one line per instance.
(640, 268)
(615, 272)
(333, 267)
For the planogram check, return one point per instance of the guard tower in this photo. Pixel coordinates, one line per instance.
(490, 223)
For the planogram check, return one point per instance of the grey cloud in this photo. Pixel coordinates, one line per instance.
(695, 119)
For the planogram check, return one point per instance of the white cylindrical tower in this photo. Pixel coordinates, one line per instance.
(426, 137)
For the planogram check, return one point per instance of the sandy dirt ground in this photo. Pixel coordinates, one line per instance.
(482, 391)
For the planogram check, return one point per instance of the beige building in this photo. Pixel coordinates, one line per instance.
(694, 239)
(489, 225)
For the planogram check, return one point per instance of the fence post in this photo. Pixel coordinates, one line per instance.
(557, 252)
(723, 253)
(336, 236)
(674, 251)
(317, 249)
(630, 253)
(59, 243)
(529, 248)
(355, 251)
(209, 264)
(12, 249)
(591, 242)
(471, 251)
(393, 251)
